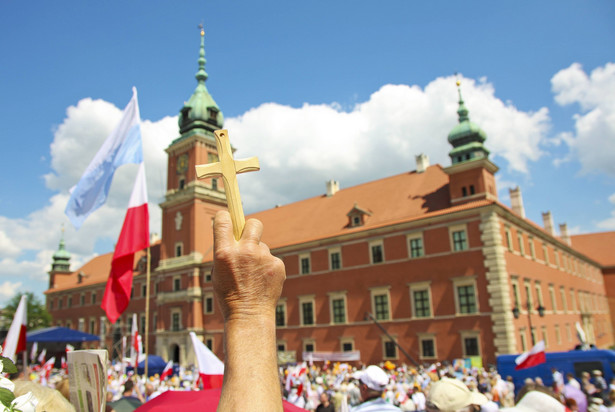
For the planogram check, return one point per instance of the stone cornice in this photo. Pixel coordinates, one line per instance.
(194, 190)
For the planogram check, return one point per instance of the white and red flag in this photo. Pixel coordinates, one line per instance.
(211, 369)
(69, 348)
(168, 371)
(534, 357)
(63, 363)
(136, 347)
(41, 356)
(133, 238)
(15, 341)
(48, 366)
(33, 352)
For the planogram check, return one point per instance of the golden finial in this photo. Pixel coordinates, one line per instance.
(201, 28)
(457, 79)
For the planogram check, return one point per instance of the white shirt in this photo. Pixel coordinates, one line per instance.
(375, 405)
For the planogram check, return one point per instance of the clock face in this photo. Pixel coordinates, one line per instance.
(182, 164)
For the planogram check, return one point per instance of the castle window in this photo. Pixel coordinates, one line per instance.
(93, 297)
(415, 242)
(389, 349)
(335, 259)
(177, 284)
(214, 184)
(280, 314)
(182, 183)
(357, 216)
(470, 343)
(466, 301)
(380, 303)
(209, 303)
(472, 189)
(305, 264)
(459, 238)
(377, 251)
(179, 249)
(176, 321)
(464, 191)
(307, 313)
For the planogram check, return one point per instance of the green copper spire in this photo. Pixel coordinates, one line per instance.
(466, 138)
(201, 111)
(61, 258)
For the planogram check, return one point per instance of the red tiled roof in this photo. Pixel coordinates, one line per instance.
(96, 270)
(394, 199)
(597, 246)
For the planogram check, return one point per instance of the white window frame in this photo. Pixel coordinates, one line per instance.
(562, 292)
(553, 298)
(377, 291)
(413, 236)
(458, 228)
(278, 343)
(508, 238)
(208, 295)
(514, 282)
(337, 296)
(538, 289)
(332, 251)
(425, 337)
(308, 341)
(521, 244)
(465, 281)
(373, 244)
(176, 311)
(344, 340)
(470, 334)
(282, 302)
(175, 279)
(307, 257)
(532, 247)
(417, 287)
(307, 299)
(573, 302)
(179, 245)
(523, 339)
(384, 340)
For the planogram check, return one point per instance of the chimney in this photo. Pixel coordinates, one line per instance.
(563, 233)
(422, 162)
(547, 221)
(333, 186)
(516, 201)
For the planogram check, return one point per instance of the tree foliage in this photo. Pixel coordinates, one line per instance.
(38, 317)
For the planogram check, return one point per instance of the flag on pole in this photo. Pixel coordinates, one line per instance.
(136, 347)
(534, 357)
(63, 363)
(211, 369)
(15, 341)
(42, 355)
(48, 366)
(133, 238)
(33, 352)
(168, 371)
(123, 146)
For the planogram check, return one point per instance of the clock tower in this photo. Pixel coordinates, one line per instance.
(190, 203)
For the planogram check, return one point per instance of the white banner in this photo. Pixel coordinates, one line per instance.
(332, 356)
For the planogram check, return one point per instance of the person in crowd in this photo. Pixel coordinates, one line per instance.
(129, 393)
(325, 403)
(570, 380)
(452, 395)
(419, 399)
(536, 398)
(373, 382)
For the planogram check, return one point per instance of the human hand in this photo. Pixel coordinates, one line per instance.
(247, 278)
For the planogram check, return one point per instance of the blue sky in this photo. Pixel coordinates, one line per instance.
(349, 90)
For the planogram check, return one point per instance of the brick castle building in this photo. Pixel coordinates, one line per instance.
(427, 264)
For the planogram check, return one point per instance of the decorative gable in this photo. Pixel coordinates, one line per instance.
(357, 216)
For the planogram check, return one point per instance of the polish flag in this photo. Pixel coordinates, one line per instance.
(168, 371)
(63, 363)
(41, 356)
(33, 352)
(211, 369)
(534, 357)
(69, 348)
(15, 341)
(133, 238)
(136, 348)
(48, 366)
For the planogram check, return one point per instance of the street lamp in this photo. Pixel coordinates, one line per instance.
(541, 312)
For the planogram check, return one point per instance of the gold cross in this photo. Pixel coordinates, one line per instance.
(229, 168)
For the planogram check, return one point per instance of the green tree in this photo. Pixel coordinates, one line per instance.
(38, 317)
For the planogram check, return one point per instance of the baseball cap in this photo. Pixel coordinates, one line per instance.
(535, 401)
(374, 377)
(451, 394)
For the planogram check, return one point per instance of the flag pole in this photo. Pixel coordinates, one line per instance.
(147, 279)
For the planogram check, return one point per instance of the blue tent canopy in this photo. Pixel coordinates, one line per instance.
(60, 335)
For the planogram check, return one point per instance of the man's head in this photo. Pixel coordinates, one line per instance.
(128, 386)
(452, 395)
(373, 382)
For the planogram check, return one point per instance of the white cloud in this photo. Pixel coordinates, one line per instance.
(8, 289)
(299, 149)
(376, 138)
(594, 141)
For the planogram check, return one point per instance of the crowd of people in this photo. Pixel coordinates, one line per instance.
(341, 387)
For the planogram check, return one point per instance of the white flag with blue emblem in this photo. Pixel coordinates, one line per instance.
(121, 147)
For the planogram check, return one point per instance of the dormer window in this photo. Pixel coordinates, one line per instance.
(213, 115)
(357, 216)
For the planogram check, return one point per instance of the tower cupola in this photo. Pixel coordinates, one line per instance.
(466, 137)
(61, 258)
(201, 111)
